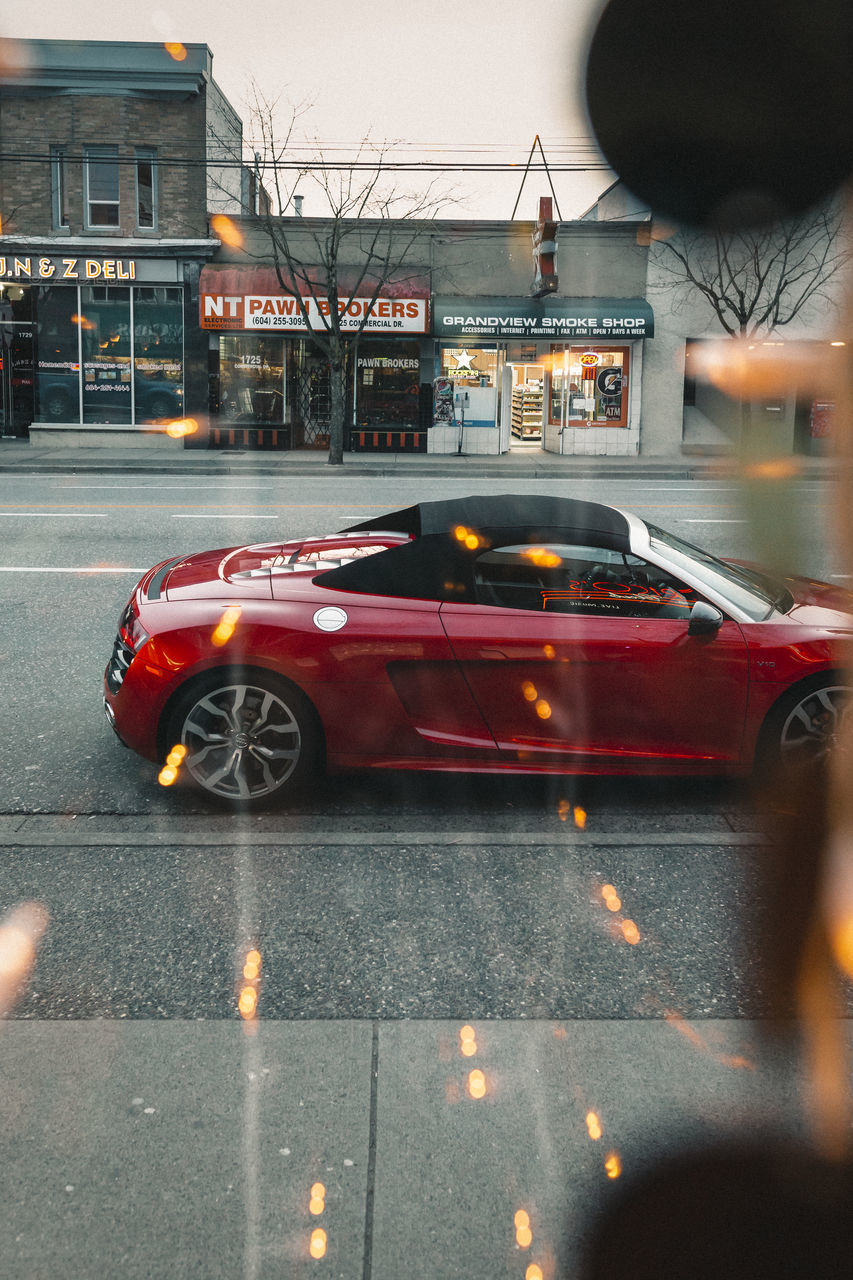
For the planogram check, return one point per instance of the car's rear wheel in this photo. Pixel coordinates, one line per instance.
(805, 726)
(249, 737)
(161, 407)
(56, 405)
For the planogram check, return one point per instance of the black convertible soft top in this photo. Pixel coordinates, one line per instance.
(437, 565)
(532, 512)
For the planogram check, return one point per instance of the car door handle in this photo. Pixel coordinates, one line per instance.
(493, 654)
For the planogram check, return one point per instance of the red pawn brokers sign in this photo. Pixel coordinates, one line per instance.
(545, 250)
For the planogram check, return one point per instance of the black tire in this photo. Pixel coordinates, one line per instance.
(803, 727)
(56, 405)
(250, 737)
(161, 407)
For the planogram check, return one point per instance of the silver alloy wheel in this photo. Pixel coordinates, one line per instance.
(243, 741)
(812, 726)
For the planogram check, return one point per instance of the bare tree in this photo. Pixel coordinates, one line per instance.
(755, 280)
(368, 234)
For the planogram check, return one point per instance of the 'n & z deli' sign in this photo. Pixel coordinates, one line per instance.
(282, 312)
(29, 268)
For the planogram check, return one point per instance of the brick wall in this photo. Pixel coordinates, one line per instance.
(29, 126)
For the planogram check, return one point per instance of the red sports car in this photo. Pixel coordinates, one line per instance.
(482, 634)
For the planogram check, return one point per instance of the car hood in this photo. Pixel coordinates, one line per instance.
(820, 604)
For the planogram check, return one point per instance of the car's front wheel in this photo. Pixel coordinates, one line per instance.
(248, 737)
(805, 726)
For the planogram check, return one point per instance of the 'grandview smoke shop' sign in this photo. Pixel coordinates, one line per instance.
(564, 318)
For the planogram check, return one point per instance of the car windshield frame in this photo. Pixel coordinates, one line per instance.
(746, 592)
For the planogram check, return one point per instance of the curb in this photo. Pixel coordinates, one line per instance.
(19, 458)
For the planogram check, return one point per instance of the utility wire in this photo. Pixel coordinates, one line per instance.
(306, 166)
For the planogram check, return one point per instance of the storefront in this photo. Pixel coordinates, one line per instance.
(91, 345)
(270, 380)
(558, 374)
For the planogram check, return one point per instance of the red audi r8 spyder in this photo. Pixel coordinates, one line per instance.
(484, 634)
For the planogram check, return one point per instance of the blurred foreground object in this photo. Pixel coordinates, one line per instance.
(757, 1211)
(723, 115)
(20, 933)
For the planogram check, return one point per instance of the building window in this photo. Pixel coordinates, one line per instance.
(388, 384)
(105, 325)
(251, 373)
(57, 355)
(102, 187)
(58, 189)
(158, 353)
(146, 190)
(589, 387)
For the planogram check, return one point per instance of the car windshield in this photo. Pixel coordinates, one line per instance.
(747, 590)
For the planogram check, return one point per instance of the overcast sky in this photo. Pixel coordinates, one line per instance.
(473, 80)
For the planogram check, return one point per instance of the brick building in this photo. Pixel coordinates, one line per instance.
(112, 154)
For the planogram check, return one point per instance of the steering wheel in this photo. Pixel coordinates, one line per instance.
(597, 573)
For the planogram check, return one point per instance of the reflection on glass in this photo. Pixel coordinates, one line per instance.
(106, 354)
(16, 358)
(470, 366)
(251, 378)
(388, 384)
(589, 384)
(57, 355)
(158, 353)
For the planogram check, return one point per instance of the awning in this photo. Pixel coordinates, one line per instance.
(228, 278)
(254, 298)
(558, 319)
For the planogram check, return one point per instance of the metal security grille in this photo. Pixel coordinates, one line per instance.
(313, 402)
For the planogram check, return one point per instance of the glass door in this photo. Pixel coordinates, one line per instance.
(589, 387)
(16, 379)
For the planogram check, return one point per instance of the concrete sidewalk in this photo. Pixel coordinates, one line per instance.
(19, 456)
(171, 1149)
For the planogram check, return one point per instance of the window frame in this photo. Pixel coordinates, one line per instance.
(96, 155)
(146, 155)
(59, 189)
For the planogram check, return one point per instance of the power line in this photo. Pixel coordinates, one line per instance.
(307, 166)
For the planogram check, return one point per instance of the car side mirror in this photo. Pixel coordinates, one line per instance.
(704, 619)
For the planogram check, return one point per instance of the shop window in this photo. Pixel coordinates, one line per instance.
(579, 580)
(251, 378)
(467, 388)
(158, 353)
(58, 189)
(57, 355)
(589, 386)
(470, 366)
(15, 303)
(388, 384)
(105, 334)
(102, 187)
(146, 190)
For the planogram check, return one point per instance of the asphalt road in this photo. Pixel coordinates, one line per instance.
(597, 937)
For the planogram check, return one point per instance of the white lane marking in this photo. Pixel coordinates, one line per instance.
(229, 515)
(54, 515)
(697, 488)
(37, 568)
(841, 575)
(175, 488)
